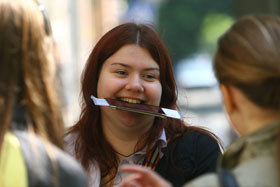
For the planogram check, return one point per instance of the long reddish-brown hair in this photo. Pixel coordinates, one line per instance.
(91, 145)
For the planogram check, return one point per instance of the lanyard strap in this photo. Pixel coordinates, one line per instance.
(152, 159)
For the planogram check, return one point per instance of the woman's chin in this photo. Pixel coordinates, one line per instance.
(133, 118)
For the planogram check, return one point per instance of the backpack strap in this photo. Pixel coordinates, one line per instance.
(227, 178)
(38, 163)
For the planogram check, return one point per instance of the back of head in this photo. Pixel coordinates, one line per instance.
(248, 57)
(25, 69)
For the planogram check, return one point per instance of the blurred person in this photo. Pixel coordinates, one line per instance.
(247, 66)
(130, 64)
(31, 126)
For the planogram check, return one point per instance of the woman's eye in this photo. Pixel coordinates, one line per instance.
(150, 77)
(121, 72)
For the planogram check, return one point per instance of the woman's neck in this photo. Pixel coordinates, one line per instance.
(261, 118)
(123, 138)
(122, 143)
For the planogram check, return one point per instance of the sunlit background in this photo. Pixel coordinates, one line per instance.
(189, 29)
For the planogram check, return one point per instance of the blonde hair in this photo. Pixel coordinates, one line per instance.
(25, 59)
(248, 57)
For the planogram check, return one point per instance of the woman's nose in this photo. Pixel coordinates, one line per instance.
(135, 84)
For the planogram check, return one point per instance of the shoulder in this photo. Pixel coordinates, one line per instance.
(200, 149)
(45, 162)
(263, 169)
(70, 169)
(196, 140)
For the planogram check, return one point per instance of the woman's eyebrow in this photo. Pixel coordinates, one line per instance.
(128, 66)
(151, 69)
(119, 64)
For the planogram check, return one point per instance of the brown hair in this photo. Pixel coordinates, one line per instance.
(25, 76)
(91, 145)
(248, 57)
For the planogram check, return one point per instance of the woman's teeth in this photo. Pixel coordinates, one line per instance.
(131, 100)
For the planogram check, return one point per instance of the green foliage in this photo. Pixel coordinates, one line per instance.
(213, 26)
(180, 23)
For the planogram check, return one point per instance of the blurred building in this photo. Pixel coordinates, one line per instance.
(77, 25)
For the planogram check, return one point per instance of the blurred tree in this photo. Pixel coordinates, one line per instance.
(180, 23)
(242, 7)
(212, 27)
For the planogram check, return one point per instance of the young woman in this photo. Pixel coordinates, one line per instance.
(130, 64)
(247, 66)
(31, 126)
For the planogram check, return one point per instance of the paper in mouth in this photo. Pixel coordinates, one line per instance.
(138, 108)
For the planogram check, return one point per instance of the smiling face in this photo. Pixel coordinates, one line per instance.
(130, 75)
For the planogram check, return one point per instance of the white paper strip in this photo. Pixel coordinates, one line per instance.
(172, 113)
(168, 112)
(100, 102)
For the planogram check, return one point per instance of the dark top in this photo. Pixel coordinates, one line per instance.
(195, 154)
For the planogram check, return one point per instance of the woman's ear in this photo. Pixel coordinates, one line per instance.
(228, 98)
